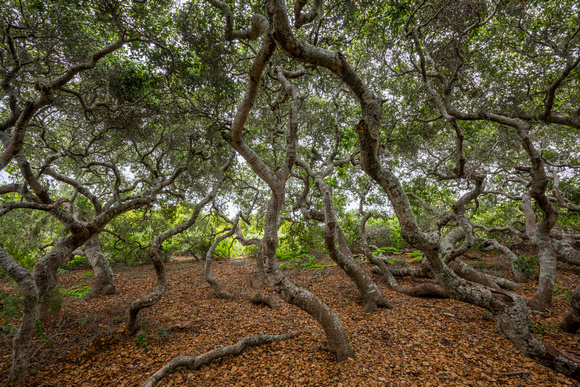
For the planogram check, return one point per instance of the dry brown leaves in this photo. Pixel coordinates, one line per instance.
(421, 342)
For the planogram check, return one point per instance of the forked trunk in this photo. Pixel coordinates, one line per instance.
(45, 276)
(211, 280)
(342, 255)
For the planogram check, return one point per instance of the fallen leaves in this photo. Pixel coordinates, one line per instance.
(416, 343)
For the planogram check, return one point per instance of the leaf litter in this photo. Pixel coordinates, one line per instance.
(421, 342)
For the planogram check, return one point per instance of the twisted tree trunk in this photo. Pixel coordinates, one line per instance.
(104, 283)
(155, 254)
(215, 285)
(21, 341)
(195, 362)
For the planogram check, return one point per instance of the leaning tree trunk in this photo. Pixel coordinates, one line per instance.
(215, 285)
(342, 255)
(156, 249)
(292, 294)
(104, 283)
(510, 311)
(571, 323)
(566, 253)
(540, 237)
(21, 341)
(276, 180)
(45, 275)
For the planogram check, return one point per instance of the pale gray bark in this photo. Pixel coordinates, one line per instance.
(387, 271)
(104, 283)
(566, 253)
(341, 254)
(343, 257)
(195, 362)
(540, 237)
(492, 244)
(510, 311)
(336, 336)
(265, 298)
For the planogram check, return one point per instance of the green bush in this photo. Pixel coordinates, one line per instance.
(77, 292)
(78, 262)
(142, 339)
(299, 260)
(11, 305)
(527, 264)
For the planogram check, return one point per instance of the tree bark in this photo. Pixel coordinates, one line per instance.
(290, 293)
(305, 300)
(155, 254)
(265, 298)
(195, 362)
(494, 244)
(571, 322)
(540, 237)
(510, 311)
(104, 283)
(21, 341)
(342, 255)
(44, 273)
(566, 253)
(215, 285)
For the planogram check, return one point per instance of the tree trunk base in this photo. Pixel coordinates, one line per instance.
(268, 299)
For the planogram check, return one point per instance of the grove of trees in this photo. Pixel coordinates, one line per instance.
(136, 129)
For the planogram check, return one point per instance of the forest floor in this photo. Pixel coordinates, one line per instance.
(421, 342)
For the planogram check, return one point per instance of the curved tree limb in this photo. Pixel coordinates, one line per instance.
(195, 362)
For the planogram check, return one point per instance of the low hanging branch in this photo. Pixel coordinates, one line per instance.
(195, 362)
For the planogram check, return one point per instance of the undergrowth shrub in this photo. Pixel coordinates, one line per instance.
(299, 260)
(527, 264)
(11, 304)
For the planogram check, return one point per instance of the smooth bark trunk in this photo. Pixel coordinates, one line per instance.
(104, 283)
